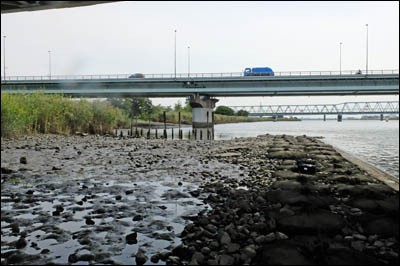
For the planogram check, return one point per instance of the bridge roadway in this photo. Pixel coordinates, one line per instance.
(212, 85)
(387, 107)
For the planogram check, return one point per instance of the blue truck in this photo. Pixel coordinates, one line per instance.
(258, 71)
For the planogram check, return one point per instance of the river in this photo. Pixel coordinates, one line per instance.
(373, 141)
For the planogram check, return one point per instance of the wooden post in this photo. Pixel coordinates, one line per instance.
(172, 135)
(131, 131)
(165, 125)
(212, 123)
(148, 132)
(156, 134)
(207, 126)
(136, 130)
(179, 122)
(189, 135)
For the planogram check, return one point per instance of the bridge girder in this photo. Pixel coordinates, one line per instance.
(20, 6)
(214, 87)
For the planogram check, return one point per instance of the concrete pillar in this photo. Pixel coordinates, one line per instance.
(339, 118)
(381, 117)
(202, 116)
(324, 117)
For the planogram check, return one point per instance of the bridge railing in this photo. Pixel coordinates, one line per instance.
(198, 75)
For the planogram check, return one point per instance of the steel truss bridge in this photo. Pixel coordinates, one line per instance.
(306, 83)
(390, 107)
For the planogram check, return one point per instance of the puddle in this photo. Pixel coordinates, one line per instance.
(91, 205)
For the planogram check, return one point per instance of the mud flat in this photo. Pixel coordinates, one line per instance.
(266, 200)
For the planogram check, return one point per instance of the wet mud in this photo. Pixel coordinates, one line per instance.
(119, 200)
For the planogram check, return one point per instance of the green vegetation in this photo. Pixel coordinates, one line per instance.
(23, 114)
(224, 110)
(32, 113)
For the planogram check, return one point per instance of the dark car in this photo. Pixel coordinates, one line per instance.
(137, 76)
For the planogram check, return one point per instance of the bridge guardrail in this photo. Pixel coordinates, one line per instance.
(199, 75)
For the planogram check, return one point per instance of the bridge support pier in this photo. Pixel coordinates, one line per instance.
(324, 117)
(381, 117)
(339, 118)
(202, 117)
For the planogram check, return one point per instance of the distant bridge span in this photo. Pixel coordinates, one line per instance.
(387, 107)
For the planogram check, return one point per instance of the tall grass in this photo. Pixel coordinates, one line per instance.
(32, 113)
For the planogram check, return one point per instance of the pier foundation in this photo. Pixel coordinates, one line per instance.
(202, 117)
(339, 118)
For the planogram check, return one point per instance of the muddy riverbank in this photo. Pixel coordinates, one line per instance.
(119, 200)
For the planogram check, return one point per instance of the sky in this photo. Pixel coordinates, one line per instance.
(127, 37)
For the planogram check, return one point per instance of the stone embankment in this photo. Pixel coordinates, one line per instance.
(265, 200)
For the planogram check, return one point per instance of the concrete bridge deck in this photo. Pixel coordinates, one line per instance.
(213, 86)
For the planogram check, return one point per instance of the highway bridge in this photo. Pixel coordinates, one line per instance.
(376, 82)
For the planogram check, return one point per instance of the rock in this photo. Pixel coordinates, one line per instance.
(137, 217)
(225, 260)
(21, 243)
(270, 237)
(249, 251)
(260, 239)
(358, 245)
(173, 260)
(205, 250)
(280, 236)
(141, 258)
(232, 248)
(72, 258)
(319, 221)
(359, 237)
(155, 258)
(384, 227)
(197, 257)
(131, 238)
(23, 160)
(285, 252)
(89, 221)
(225, 239)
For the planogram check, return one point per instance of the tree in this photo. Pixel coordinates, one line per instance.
(135, 106)
(178, 107)
(242, 113)
(224, 110)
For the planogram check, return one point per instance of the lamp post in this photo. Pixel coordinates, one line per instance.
(340, 58)
(366, 67)
(188, 61)
(175, 57)
(4, 49)
(49, 64)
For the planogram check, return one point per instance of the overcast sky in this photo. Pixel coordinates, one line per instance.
(130, 37)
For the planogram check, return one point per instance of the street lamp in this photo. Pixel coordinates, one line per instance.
(188, 61)
(340, 58)
(175, 57)
(49, 64)
(4, 49)
(366, 67)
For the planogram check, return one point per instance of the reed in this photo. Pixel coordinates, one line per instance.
(33, 113)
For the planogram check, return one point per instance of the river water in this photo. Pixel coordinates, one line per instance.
(373, 141)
